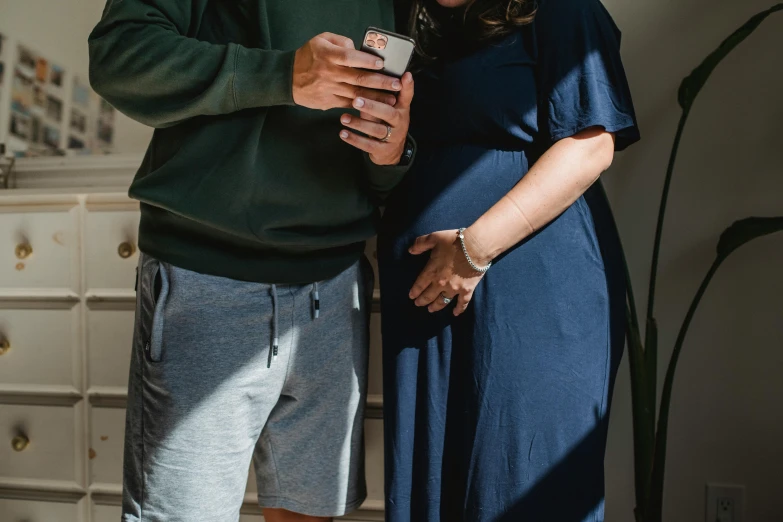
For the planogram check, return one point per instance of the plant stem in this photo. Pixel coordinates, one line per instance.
(662, 212)
(657, 481)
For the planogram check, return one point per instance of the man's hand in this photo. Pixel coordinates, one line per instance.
(327, 75)
(385, 125)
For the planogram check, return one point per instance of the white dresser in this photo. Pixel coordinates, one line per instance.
(67, 269)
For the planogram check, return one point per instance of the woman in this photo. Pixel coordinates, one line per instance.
(498, 382)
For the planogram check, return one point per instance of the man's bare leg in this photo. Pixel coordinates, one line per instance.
(281, 515)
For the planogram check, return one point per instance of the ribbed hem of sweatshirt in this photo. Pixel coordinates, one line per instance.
(175, 241)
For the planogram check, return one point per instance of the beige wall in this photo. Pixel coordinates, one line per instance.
(58, 29)
(727, 418)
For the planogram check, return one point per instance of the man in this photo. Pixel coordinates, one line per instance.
(252, 310)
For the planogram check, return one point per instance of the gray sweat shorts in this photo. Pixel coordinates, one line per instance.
(226, 371)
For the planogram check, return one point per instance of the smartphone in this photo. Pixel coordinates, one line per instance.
(395, 49)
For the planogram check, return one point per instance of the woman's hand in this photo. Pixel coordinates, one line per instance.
(447, 273)
(385, 126)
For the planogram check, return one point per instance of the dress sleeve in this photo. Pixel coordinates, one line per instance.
(581, 79)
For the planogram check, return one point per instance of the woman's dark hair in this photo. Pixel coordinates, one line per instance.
(441, 31)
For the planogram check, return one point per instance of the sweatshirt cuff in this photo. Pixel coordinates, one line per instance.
(263, 78)
(384, 178)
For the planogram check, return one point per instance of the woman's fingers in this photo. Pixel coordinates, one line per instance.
(374, 130)
(462, 303)
(439, 304)
(430, 294)
(423, 244)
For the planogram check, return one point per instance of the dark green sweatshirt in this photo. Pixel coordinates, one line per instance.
(238, 181)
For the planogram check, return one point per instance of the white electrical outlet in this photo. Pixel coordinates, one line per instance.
(725, 503)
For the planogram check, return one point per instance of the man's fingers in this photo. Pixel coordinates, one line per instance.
(368, 145)
(368, 79)
(462, 304)
(355, 59)
(405, 97)
(349, 91)
(338, 40)
(378, 110)
(374, 130)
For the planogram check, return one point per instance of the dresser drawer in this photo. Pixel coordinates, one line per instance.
(107, 433)
(38, 511)
(109, 340)
(103, 513)
(111, 239)
(38, 347)
(39, 249)
(38, 442)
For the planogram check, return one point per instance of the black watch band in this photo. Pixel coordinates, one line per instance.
(407, 153)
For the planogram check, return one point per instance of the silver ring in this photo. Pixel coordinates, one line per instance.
(446, 300)
(388, 134)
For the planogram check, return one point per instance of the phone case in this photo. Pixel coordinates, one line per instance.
(395, 49)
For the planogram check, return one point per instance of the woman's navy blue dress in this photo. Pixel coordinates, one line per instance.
(501, 414)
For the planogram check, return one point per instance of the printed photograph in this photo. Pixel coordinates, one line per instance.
(21, 94)
(75, 143)
(57, 76)
(54, 109)
(51, 137)
(41, 70)
(35, 130)
(26, 59)
(20, 125)
(78, 121)
(106, 132)
(39, 96)
(81, 93)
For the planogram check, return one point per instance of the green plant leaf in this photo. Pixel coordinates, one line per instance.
(692, 85)
(643, 417)
(746, 230)
(737, 235)
(651, 360)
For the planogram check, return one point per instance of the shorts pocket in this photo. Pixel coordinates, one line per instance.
(154, 288)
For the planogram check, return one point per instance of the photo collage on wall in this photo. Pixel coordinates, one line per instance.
(3, 66)
(45, 118)
(37, 117)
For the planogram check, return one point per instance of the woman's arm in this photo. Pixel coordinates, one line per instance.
(558, 179)
(552, 185)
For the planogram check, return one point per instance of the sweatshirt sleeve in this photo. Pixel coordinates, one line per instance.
(382, 179)
(146, 64)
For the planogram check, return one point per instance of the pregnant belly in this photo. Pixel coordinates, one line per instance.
(449, 188)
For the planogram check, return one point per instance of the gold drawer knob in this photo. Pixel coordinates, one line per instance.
(20, 443)
(5, 345)
(23, 251)
(126, 249)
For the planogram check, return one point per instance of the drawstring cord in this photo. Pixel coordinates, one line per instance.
(275, 326)
(276, 321)
(316, 301)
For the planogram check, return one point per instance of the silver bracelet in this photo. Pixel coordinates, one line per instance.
(474, 266)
